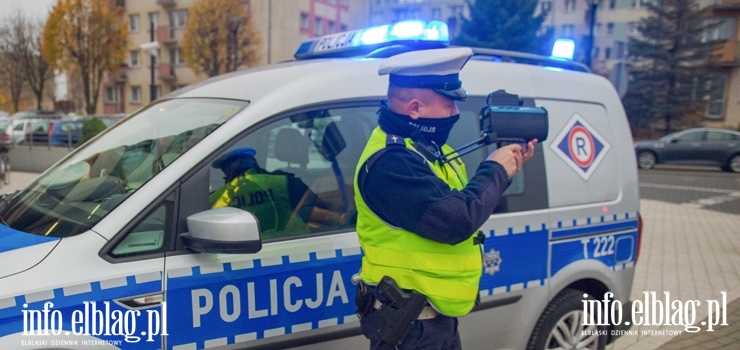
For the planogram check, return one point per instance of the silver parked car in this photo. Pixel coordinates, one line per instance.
(700, 146)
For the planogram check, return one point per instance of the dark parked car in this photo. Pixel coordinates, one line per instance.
(56, 132)
(702, 146)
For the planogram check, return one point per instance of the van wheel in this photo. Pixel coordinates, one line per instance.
(646, 160)
(561, 326)
(733, 165)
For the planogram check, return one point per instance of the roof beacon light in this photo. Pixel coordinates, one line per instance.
(414, 33)
(563, 49)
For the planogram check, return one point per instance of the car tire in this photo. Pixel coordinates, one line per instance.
(646, 160)
(733, 164)
(561, 325)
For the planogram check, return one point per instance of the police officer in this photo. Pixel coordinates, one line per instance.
(418, 218)
(280, 201)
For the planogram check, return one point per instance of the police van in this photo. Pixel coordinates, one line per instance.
(122, 244)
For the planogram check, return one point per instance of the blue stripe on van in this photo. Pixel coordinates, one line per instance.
(12, 239)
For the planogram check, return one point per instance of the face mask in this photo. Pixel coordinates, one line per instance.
(435, 130)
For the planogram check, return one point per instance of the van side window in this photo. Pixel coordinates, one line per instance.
(295, 174)
(149, 234)
(528, 189)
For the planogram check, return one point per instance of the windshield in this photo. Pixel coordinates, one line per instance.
(76, 194)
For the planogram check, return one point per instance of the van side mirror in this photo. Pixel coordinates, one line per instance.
(223, 230)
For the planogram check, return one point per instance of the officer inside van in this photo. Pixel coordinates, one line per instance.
(418, 217)
(281, 202)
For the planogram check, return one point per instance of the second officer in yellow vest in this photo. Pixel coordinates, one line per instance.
(281, 202)
(417, 216)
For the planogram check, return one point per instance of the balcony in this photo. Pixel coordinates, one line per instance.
(166, 72)
(166, 35)
(117, 76)
(166, 3)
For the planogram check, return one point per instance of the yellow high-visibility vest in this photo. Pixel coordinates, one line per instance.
(448, 275)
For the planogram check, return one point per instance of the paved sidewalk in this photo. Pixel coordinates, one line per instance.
(18, 179)
(694, 254)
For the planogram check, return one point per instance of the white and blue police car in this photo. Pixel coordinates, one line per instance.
(123, 245)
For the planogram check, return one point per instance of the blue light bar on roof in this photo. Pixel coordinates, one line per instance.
(563, 48)
(414, 33)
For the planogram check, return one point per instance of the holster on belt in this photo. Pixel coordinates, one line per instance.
(364, 300)
(398, 315)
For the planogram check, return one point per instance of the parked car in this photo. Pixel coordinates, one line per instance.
(110, 119)
(15, 131)
(5, 123)
(699, 146)
(56, 132)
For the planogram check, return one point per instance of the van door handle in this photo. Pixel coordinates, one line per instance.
(141, 301)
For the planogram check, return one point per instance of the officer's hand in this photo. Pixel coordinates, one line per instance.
(510, 157)
(528, 151)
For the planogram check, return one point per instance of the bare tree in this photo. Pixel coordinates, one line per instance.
(11, 65)
(20, 40)
(38, 71)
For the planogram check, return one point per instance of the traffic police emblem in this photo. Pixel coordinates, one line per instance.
(492, 261)
(580, 146)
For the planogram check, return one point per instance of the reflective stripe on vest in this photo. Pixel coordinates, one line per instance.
(448, 275)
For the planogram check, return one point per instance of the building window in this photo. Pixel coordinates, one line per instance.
(400, 14)
(436, 13)
(609, 29)
(112, 94)
(595, 53)
(177, 18)
(343, 28)
(331, 27)
(638, 4)
(133, 23)
(718, 29)
(716, 97)
(304, 22)
(176, 56)
(377, 18)
(153, 20)
(545, 6)
(133, 61)
(568, 30)
(634, 28)
(570, 5)
(612, 4)
(597, 30)
(608, 53)
(318, 27)
(415, 13)
(135, 94)
(157, 92)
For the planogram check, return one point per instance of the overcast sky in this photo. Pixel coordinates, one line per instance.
(38, 9)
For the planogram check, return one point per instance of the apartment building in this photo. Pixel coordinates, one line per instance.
(153, 70)
(617, 20)
(284, 24)
(449, 11)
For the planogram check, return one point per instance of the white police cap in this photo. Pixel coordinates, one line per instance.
(436, 69)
